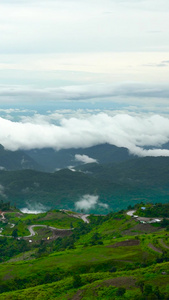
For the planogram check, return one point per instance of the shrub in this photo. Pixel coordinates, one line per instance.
(77, 282)
(120, 291)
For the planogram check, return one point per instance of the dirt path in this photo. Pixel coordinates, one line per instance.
(154, 248)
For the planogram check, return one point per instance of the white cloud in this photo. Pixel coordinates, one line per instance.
(58, 51)
(44, 43)
(88, 202)
(2, 168)
(2, 190)
(25, 210)
(71, 26)
(122, 130)
(85, 159)
(103, 205)
(34, 208)
(71, 168)
(121, 93)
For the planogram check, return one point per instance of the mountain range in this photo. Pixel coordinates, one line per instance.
(115, 180)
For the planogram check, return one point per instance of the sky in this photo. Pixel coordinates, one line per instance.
(100, 64)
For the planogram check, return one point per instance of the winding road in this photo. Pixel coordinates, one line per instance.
(3, 217)
(77, 215)
(33, 233)
(84, 218)
(131, 213)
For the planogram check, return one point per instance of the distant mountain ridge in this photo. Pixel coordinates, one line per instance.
(16, 160)
(50, 160)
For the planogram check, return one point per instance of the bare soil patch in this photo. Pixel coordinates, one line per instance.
(125, 243)
(8, 275)
(18, 214)
(127, 282)
(140, 228)
(61, 233)
(53, 215)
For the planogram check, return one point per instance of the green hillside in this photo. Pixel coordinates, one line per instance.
(112, 257)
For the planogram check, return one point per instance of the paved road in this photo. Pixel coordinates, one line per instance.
(143, 219)
(30, 228)
(77, 215)
(131, 212)
(3, 217)
(33, 233)
(84, 218)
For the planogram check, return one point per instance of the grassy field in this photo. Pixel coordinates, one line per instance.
(102, 285)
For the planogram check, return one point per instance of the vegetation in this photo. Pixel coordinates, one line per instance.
(4, 206)
(112, 257)
(116, 184)
(154, 210)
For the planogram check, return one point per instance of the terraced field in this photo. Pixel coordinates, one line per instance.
(110, 255)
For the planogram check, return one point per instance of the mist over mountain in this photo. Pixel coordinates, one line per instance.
(99, 187)
(51, 160)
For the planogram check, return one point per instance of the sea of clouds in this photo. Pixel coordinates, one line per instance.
(78, 130)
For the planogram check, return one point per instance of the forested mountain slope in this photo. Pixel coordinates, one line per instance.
(117, 185)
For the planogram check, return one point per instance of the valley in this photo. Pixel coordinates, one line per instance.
(114, 186)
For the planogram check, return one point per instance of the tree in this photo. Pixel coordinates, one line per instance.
(140, 284)
(15, 233)
(96, 239)
(113, 269)
(148, 289)
(121, 291)
(71, 225)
